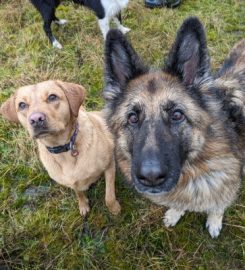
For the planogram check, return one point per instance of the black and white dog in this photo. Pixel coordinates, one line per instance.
(105, 10)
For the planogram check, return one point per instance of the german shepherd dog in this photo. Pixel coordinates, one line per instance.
(178, 130)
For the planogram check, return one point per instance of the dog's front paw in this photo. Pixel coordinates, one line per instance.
(56, 44)
(125, 30)
(214, 225)
(84, 209)
(114, 207)
(61, 22)
(172, 216)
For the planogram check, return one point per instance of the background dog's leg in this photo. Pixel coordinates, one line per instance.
(123, 29)
(172, 216)
(48, 13)
(83, 203)
(53, 40)
(214, 223)
(110, 196)
(104, 26)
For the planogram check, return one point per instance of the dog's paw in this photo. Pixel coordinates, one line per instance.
(114, 207)
(172, 216)
(84, 209)
(61, 22)
(214, 225)
(56, 44)
(125, 30)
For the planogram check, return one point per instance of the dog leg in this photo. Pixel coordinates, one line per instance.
(53, 40)
(110, 196)
(214, 223)
(104, 26)
(48, 14)
(123, 29)
(83, 203)
(172, 216)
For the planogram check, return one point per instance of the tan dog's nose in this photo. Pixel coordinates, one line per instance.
(37, 119)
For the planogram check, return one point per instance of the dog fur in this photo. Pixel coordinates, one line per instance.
(105, 11)
(175, 141)
(60, 103)
(230, 88)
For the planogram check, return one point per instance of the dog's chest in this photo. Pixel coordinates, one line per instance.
(212, 191)
(62, 167)
(70, 171)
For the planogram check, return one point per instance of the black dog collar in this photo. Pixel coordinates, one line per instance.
(66, 147)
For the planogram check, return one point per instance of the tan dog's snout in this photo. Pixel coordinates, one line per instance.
(37, 120)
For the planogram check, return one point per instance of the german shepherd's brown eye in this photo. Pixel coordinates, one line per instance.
(177, 116)
(133, 118)
(52, 98)
(22, 106)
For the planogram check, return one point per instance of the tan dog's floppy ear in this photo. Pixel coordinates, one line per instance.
(8, 110)
(75, 94)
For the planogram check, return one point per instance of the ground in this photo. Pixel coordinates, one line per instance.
(40, 225)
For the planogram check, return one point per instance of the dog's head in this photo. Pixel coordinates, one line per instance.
(44, 109)
(159, 118)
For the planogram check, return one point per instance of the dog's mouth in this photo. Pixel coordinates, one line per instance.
(38, 134)
(165, 187)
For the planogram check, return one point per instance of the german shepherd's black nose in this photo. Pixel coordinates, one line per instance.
(152, 173)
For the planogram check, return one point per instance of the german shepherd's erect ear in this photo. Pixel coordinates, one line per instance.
(188, 59)
(121, 64)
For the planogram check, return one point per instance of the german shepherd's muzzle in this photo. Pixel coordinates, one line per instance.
(156, 166)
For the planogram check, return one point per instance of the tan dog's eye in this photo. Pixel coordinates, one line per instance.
(22, 106)
(52, 98)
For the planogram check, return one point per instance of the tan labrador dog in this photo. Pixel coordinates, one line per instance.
(75, 146)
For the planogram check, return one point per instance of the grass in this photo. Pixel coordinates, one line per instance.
(40, 225)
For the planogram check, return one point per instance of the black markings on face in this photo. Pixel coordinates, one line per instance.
(152, 86)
